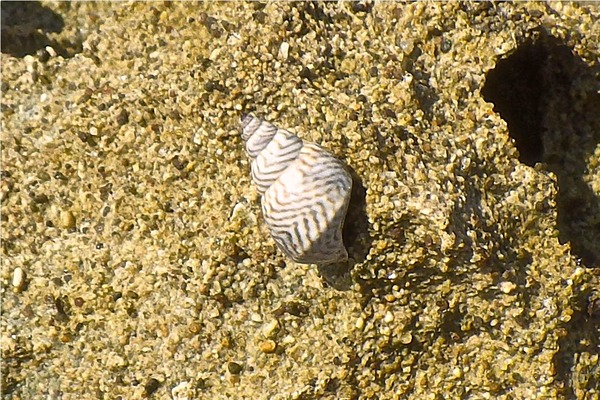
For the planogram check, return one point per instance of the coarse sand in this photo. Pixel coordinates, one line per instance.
(135, 261)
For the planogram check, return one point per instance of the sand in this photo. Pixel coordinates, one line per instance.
(135, 262)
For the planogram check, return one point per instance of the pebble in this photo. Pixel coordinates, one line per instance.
(507, 287)
(18, 279)
(67, 220)
(284, 50)
(234, 368)
(360, 323)
(255, 317)
(194, 328)
(51, 51)
(151, 386)
(268, 346)
(389, 317)
(406, 338)
(270, 328)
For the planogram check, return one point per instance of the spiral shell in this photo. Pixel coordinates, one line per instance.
(305, 192)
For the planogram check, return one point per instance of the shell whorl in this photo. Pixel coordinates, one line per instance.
(305, 192)
(270, 148)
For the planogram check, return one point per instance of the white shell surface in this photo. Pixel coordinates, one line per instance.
(305, 192)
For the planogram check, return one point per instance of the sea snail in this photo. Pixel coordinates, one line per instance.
(305, 192)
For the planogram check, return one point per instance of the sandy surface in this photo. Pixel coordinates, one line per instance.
(135, 262)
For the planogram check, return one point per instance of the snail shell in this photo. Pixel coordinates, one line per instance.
(305, 192)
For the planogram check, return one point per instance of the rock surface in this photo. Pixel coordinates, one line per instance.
(146, 270)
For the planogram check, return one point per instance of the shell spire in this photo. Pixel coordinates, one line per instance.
(305, 192)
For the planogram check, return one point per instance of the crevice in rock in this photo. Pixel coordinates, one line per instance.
(549, 98)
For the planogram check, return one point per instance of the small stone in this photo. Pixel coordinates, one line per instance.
(178, 163)
(284, 50)
(360, 323)
(445, 46)
(41, 199)
(255, 317)
(18, 280)
(179, 391)
(122, 117)
(406, 338)
(194, 328)
(457, 373)
(507, 287)
(389, 317)
(270, 328)
(151, 386)
(66, 337)
(268, 346)
(67, 220)
(51, 51)
(234, 368)
(238, 210)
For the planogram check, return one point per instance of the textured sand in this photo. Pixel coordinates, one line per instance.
(134, 258)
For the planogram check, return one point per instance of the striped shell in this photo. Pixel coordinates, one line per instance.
(305, 192)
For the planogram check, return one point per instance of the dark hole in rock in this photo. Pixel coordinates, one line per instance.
(550, 100)
(515, 87)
